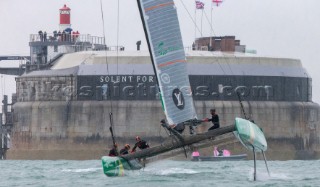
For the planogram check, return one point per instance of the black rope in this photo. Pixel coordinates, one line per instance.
(242, 108)
(118, 31)
(176, 135)
(111, 131)
(111, 128)
(194, 22)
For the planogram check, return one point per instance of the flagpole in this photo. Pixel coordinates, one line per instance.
(195, 25)
(211, 28)
(201, 21)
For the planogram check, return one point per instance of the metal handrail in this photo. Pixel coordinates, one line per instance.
(66, 37)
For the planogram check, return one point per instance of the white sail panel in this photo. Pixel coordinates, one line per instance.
(168, 55)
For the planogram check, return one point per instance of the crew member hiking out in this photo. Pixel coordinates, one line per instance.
(125, 150)
(114, 151)
(142, 144)
(214, 119)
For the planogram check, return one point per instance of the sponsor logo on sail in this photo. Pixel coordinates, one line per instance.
(165, 78)
(178, 98)
(162, 50)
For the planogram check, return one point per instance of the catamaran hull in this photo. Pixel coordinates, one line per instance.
(250, 135)
(247, 132)
(116, 166)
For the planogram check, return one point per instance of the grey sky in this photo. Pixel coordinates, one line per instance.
(282, 28)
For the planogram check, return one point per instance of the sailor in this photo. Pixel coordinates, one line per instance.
(114, 150)
(215, 151)
(125, 150)
(45, 36)
(40, 35)
(55, 35)
(214, 119)
(73, 36)
(59, 36)
(195, 154)
(64, 36)
(77, 34)
(142, 144)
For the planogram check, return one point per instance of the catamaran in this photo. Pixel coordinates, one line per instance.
(162, 30)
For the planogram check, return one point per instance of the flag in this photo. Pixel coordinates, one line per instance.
(217, 2)
(199, 5)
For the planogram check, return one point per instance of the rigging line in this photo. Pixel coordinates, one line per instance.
(224, 73)
(104, 36)
(2, 89)
(242, 108)
(201, 20)
(228, 67)
(196, 27)
(108, 73)
(4, 85)
(215, 35)
(211, 26)
(194, 22)
(118, 30)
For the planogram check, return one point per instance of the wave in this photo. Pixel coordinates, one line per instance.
(85, 170)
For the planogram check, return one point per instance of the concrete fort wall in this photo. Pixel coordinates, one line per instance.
(144, 87)
(80, 129)
(46, 88)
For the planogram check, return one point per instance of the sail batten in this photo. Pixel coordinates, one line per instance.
(158, 6)
(163, 34)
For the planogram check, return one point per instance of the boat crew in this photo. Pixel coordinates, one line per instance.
(214, 119)
(125, 150)
(195, 153)
(142, 144)
(114, 151)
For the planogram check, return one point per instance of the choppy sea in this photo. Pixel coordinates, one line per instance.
(162, 173)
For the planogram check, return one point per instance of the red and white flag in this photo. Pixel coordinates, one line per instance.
(199, 5)
(217, 2)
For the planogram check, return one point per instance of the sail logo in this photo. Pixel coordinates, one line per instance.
(178, 98)
(162, 50)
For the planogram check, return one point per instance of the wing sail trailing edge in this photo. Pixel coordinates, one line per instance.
(163, 34)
